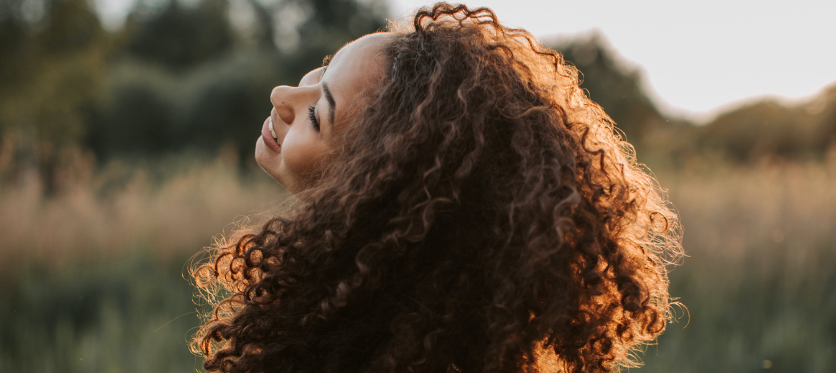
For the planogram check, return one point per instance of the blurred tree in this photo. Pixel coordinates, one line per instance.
(321, 27)
(827, 108)
(52, 69)
(614, 86)
(253, 24)
(133, 120)
(228, 104)
(14, 47)
(199, 76)
(180, 37)
(769, 128)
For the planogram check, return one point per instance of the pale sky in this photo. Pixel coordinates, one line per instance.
(697, 57)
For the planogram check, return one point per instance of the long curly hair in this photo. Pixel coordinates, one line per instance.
(482, 215)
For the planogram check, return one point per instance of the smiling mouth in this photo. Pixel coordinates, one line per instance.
(272, 131)
(269, 135)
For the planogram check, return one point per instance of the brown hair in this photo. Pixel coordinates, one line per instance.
(481, 216)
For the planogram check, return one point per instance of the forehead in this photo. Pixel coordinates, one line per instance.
(362, 55)
(356, 68)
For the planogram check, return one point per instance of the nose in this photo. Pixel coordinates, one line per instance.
(282, 100)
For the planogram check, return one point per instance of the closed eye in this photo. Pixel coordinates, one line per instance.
(312, 116)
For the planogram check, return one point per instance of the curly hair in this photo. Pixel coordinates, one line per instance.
(482, 215)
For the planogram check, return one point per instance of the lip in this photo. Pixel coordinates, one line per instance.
(267, 137)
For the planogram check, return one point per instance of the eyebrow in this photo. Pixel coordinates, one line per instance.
(331, 101)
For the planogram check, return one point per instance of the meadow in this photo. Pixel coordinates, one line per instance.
(95, 273)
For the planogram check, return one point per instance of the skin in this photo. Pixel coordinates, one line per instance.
(351, 78)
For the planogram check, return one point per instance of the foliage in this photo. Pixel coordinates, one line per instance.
(179, 37)
(177, 76)
(197, 75)
(130, 315)
(767, 127)
(50, 71)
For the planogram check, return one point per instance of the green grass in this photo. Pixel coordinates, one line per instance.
(132, 314)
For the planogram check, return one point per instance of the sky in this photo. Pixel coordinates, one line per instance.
(698, 58)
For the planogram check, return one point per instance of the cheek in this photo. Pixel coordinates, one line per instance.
(302, 155)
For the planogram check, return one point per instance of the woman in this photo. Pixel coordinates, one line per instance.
(463, 207)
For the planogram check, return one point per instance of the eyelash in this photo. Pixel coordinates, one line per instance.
(312, 115)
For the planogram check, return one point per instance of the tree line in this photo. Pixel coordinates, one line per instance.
(197, 76)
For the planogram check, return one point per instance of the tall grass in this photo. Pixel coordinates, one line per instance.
(760, 282)
(94, 273)
(168, 206)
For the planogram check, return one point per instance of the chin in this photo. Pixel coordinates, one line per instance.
(265, 160)
(270, 163)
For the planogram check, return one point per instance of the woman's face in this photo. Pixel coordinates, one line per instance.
(307, 122)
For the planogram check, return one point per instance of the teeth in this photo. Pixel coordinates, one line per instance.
(272, 131)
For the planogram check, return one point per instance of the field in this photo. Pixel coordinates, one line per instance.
(95, 275)
(759, 283)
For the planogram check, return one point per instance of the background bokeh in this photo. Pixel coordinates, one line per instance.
(124, 150)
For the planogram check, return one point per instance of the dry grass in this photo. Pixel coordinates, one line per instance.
(784, 211)
(760, 279)
(168, 207)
